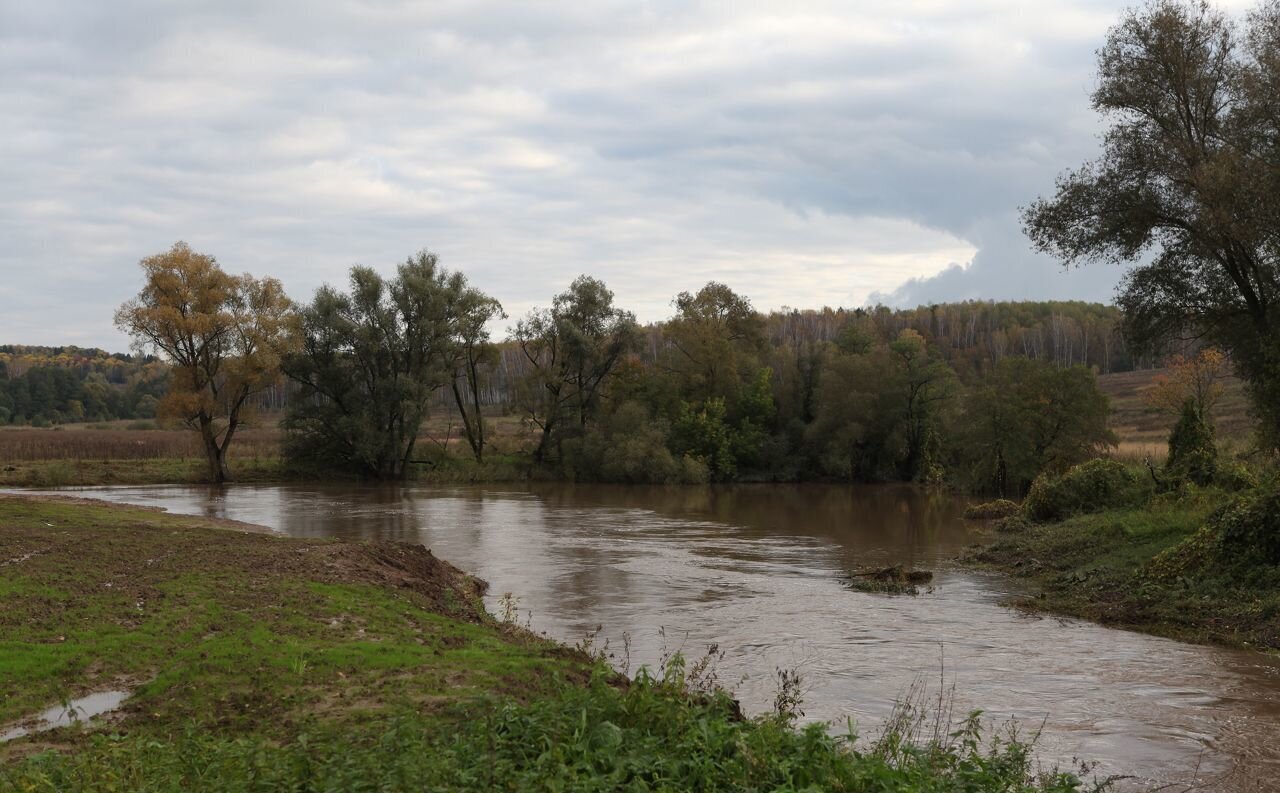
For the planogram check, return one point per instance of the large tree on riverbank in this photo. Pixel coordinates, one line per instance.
(571, 350)
(1187, 186)
(223, 333)
(372, 358)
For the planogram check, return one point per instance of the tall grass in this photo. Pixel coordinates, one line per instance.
(646, 736)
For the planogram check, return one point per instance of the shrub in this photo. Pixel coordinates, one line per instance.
(1013, 524)
(629, 446)
(1000, 508)
(1192, 452)
(1186, 558)
(1249, 528)
(1089, 487)
(1235, 477)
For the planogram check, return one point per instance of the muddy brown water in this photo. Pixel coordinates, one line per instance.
(756, 570)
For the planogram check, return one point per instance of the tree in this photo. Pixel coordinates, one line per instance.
(571, 349)
(1032, 416)
(1192, 451)
(370, 362)
(223, 334)
(879, 410)
(715, 341)
(1198, 379)
(474, 349)
(1187, 185)
(925, 384)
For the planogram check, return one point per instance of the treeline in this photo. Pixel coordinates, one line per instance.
(53, 385)
(987, 395)
(716, 397)
(971, 336)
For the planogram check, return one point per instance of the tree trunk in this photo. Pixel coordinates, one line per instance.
(540, 454)
(215, 455)
(474, 431)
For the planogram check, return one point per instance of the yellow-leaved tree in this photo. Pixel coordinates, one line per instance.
(223, 334)
(1197, 379)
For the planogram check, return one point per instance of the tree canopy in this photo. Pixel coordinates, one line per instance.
(372, 358)
(1187, 187)
(223, 334)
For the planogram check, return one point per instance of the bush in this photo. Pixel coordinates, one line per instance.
(1089, 487)
(630, 446)
(1249, 528)
(1013, 525)
(1192, 452)
(1234, 477)
(1000, 508)
(1186, 558)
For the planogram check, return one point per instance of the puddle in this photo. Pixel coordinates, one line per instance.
(81, 709)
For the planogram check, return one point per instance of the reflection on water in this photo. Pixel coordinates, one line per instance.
(756, 570)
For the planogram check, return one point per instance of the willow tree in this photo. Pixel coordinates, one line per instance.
(473, 353)
(571, 350)
(371, 361)
(1187, 187)
(223, 335)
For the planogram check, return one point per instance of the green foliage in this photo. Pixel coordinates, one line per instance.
(572, 351)
(371, 360)
(1182, 76)
(648, 736)
(1234, 476)
(1090, 487)
(1160, 566)
(1013, 524)
(880, 414)
(55, 392)
(715, 342)
(1249, 528)
(1186, 559)
(1193, 455)
(1030, 416)
(629, 445)
(704, 434)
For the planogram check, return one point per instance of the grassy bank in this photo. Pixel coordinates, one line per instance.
(1161, 566)
(262, 663)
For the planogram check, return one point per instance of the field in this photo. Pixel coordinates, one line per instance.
(1145, 432)
(116, 442)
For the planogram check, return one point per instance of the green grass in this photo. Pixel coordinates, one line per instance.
(1101, 567)
(265, 663)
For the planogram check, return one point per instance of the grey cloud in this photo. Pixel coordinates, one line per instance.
(813, 155)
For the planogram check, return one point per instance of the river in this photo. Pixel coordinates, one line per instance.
(757, 570)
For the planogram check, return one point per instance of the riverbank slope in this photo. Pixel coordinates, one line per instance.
(1194, 565)
(254, 661)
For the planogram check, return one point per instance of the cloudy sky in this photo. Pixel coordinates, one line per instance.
(806, 153)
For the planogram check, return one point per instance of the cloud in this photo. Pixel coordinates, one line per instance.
(809, 154)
